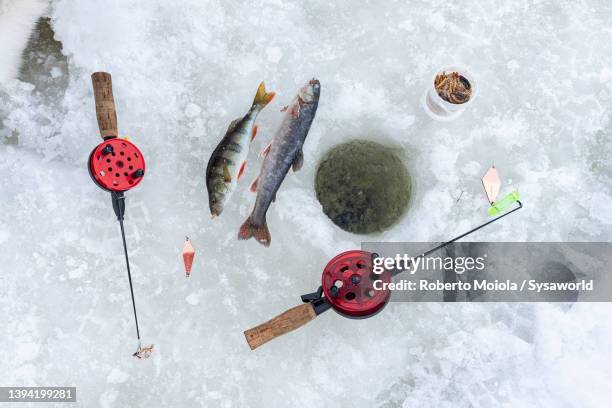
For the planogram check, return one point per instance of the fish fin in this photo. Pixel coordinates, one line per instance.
(254, 184)
(265, 150)
(284, 108)
(241, 170)
(227, 177)
(295, 110)
(262, 98)
(298, 162)
(254, 133)
(232, 126)
(260, 232)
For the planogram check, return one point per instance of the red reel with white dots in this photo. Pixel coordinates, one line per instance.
(116, 165)
(349, 285)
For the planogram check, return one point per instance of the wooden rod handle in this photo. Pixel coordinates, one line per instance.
(281, 324)
(105, 104)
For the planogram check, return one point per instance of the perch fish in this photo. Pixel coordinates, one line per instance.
(228, 160)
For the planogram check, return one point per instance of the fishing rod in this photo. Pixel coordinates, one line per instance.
(347, 287)
(115, 165)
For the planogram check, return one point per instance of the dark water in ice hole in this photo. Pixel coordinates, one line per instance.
(363, 186)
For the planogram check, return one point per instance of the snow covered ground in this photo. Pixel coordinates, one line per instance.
(182, 71)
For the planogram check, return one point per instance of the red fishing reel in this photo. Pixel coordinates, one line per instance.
(348, 283)
(115, 165)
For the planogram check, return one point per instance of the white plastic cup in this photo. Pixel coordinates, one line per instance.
(441, 110)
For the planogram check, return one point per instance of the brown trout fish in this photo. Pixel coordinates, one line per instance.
(284, 151)
(228, 160)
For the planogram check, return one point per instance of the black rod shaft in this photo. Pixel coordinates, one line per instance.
(471, 231)
(442, 245)
(127, 262)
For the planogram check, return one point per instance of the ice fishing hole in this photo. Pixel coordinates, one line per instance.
(363, 187)
(121, 153)
(108, 160)
(116, 174)
(350, 296)
(119, 163)
(110, 169)
(130, 167)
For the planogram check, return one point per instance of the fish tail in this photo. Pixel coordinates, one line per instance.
(262, 98)
(251, 229)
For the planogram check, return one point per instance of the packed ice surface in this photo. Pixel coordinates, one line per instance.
(182, 71)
